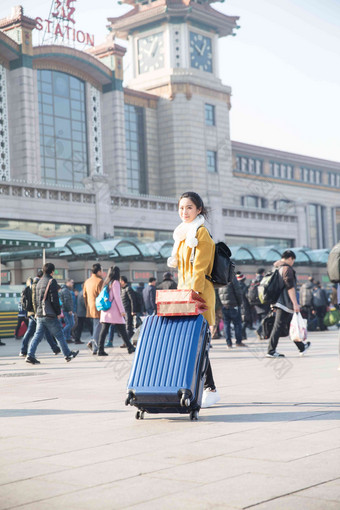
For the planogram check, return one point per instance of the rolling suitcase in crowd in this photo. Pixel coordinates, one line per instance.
(168, 371)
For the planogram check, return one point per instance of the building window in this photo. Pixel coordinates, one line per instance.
(44, 229)
(249, 165)
(334, 179)
(284, 206)
(317, 226)
(212, 161)
(248, 241)
(210, 115)
(254, 201)
(135, 149)
(62, 122)
(143, 235)
(281, 170)
(310, 175)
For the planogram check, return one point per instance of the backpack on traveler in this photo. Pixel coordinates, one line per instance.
(103, 302)
(253, 293)
(26, 299)
(270, 287)
(223, 270)
(333, 264)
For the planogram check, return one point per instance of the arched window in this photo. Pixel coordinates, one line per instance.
(62, 122)
(254, 201)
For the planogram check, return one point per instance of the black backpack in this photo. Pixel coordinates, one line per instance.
(333, 264)
(26, 299)
(253, 294)
(223, 270)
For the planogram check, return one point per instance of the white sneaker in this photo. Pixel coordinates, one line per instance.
(209, 398)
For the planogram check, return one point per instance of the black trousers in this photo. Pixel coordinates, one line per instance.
(320, 313)
(280, 328)
(120, 328)
(129, 325)
(80, 326)
(209, 380)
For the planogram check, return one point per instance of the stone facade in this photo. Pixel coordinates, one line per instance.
(177, 138)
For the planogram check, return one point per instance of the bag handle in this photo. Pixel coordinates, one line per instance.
(46, 290)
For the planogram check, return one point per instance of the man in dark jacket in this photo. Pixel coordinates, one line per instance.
(32, 325)
(149, 296)
(129, 303)
(168, 282)
(46, 303)
(320, 303)
(286, 304)
(246, 315)
(231, 299)
(67, 307)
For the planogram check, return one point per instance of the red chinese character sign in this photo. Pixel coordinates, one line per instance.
(59, 27)
(64, 10)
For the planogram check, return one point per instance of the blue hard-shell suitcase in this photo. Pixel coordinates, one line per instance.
(168, 371)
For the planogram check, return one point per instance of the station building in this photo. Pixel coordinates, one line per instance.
(88, 154)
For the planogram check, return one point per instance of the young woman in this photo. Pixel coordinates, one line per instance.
(191, 234)
(115, 315)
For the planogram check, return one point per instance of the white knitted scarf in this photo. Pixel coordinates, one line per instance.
(188, 232)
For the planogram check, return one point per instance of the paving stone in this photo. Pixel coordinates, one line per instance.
(68, 441)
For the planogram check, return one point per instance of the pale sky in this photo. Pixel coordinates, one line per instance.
(283, 67)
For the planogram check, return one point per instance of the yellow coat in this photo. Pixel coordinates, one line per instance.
(192, 276)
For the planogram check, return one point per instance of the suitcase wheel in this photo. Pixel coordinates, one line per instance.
(185, 402)
(194, 415)
(139, 415)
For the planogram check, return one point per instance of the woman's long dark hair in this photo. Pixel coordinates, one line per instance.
(112, 274)
(196, 199)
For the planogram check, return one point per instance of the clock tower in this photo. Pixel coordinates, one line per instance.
(173, 54)
(169, 38)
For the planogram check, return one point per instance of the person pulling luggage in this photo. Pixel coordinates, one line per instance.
(191, 234)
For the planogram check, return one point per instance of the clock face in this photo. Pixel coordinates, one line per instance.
(150, 53)
(201, 52)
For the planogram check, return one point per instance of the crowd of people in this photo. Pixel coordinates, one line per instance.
(238, 309)
(238, 306)
(60, 313)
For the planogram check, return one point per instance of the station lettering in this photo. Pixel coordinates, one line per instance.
(69, 33)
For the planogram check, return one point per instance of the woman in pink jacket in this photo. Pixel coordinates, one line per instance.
(115, 314)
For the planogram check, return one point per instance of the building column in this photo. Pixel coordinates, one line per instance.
(303, 228)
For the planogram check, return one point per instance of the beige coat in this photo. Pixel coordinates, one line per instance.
(92, 288)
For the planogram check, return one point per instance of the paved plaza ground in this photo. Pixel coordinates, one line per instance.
(272, 442)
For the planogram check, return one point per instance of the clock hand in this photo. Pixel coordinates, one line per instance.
(155, 50)
(203, 46)
(198, 49)
(152, 47)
